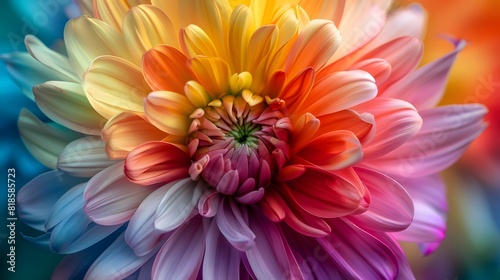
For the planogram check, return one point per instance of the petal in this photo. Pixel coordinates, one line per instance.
(221, 260)
(84, 157)
(165, 68)
(114, 85)
(445, 134)
(315, 45)
(391, 207)
(169, 111)
(212, 73)
(110, 199)
(271, 257)
(145, 27)
(141, 234)
(358, 254)
(36, 199)
(178, 203)
(232, 221)
(111, 12)
(45, 142)
(117, 262)
(431, 207)
(194, 41)
(181, 256)
(396, 122)
(156, 162)
(362, 125)
(126, 131)
(59, 63)
(323, 194)
(241, 27)
(87, 38)
(27, 72)
(340, 91)
(424, 87)
(66, 103)
(333, 150)
(325, 9)
(378, 68)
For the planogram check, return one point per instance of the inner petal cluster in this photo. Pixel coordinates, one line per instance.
(237, 142)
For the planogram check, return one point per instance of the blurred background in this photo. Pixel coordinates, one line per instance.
(471, 249)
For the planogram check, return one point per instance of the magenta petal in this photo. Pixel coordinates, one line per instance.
(233, 223)
(221, 260)
(182, 254)
(446, 132)
(271, 257)
(424, 87)
(111, 199)
(358, 254)
(391, 207)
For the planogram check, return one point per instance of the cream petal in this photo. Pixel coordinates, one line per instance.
(111, 12)
(84, 157)
(87, 38)
(58, 62)
(43, 141)
(145, 27)
(66, 103)
(114, 85)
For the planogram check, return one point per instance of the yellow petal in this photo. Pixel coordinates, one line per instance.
(195, 41)
(114, 85)
(171, 9)
(111, 12)
(66, 103)
(212, 73)
(241, 28)
(169, 111)
(87, 38)
(145, 27)
(315, 45)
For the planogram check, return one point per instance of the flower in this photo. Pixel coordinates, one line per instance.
(263, 139)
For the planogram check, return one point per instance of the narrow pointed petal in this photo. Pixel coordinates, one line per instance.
(87, 38)
(177, 204)
(66, 103)
(391, 207)
(114, 85)
(111, 199)
(221, 260)
(45, 142)
(84, 157)
(182, 254)
(156, 162)
(425, 87)
(445, 134)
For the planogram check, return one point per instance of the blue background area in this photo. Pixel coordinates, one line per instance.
(44, 19)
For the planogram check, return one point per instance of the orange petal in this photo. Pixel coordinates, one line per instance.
(169, 111)
(212, 73)
(156, 162)
(126, 131)
(165, 68)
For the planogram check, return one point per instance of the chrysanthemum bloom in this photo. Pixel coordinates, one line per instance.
(262, 139)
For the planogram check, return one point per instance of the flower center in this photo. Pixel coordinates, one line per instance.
(237, 142)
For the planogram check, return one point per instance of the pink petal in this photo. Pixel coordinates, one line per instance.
(182, 254)
(358, 254)
(233, 223)
(221, 260)
(424, 87)
(396, 122)
(156, 162)
(445, 134)
(391, 207)
(271, 257)
(111, 199)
